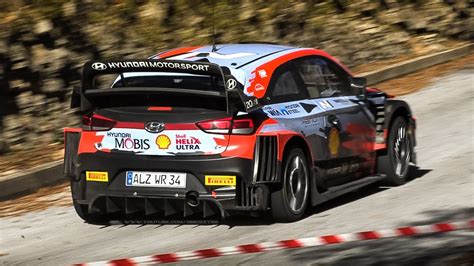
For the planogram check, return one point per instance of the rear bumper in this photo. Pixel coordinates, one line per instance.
(114, 197)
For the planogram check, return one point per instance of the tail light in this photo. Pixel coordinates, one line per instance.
(228, 126)
(97, 123)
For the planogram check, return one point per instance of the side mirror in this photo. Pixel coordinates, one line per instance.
(358, 85)
(76, 97)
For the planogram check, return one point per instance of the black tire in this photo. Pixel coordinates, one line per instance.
(289, 202)
(395, 164)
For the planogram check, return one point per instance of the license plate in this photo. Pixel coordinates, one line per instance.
(155, 179)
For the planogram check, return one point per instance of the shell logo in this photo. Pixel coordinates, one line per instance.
(334, 142)
(163, 142)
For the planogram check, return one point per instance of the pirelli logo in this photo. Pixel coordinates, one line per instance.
(220, 180)
(97, 176)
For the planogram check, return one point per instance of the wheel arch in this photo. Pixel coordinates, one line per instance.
(314, 185)
(300, 142)
(394, 109)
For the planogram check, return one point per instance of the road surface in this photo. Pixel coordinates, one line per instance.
(442, 191)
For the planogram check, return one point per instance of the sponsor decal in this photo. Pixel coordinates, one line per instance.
(184, 142)
(259, 87)
(220, 180)
(152, 64)
(99, 66)
(325, 104)
(125, 141)
(284, 111)
(132, 144)
(231, 84)
(119, 135)
(334, 142)
(163, 142)
(97, 176)
(344, 100)
(262, 73)
(313, 122)
(290, 109)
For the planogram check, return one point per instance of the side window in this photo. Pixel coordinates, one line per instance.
(285, 86)
(323, 78)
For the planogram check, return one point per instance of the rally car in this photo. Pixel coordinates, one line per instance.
(217, 130)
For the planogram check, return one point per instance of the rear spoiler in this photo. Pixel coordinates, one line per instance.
(236, 99)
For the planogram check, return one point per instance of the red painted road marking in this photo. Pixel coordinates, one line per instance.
(287, 244)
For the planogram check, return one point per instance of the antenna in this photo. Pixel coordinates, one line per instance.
(214, 48)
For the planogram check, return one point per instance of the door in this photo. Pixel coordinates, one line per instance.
(347, 127)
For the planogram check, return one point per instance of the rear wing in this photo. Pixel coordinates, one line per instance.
(236, 99)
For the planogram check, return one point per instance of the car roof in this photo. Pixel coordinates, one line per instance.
(246, 60)
(229, 55)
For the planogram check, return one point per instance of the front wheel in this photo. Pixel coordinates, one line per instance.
(396, 163)
(290, 201)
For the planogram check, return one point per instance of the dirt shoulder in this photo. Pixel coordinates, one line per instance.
(420, 79)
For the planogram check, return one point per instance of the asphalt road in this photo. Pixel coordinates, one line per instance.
(443, 190)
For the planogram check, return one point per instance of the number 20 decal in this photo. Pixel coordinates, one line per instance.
(251, 103)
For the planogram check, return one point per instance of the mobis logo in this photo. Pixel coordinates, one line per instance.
(132, 144)
(125, 141)
(184, 142)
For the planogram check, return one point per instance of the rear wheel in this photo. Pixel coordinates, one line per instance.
(290, 201)
(396, 163)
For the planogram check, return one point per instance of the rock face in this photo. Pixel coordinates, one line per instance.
(42, 47)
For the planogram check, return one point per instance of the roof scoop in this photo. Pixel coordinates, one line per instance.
(202, 55)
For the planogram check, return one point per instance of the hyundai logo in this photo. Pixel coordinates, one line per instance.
(154, 127)
(99, 66)
(231, 84)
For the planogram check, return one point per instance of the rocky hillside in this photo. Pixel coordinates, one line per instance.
(42, 46)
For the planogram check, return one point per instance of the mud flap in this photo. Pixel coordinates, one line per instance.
(71, 144)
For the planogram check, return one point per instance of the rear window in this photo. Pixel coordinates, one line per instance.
(170, 80)
(158, 89)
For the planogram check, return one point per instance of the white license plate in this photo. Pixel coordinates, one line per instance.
(155, 179)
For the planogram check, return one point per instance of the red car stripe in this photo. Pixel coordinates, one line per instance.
(177, 51)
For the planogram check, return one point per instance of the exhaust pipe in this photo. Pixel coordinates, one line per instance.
(192, 198)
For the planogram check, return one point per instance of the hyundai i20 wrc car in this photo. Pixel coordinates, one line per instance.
(234, 128)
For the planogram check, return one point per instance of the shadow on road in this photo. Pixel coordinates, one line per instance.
(321, 208)
(453, 248)
(265, 219)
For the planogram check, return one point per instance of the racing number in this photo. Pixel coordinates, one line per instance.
(251, 103)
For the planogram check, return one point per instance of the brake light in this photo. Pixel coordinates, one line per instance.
(227, 125)
(97, 122)
(243, 126)
(160, 108)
